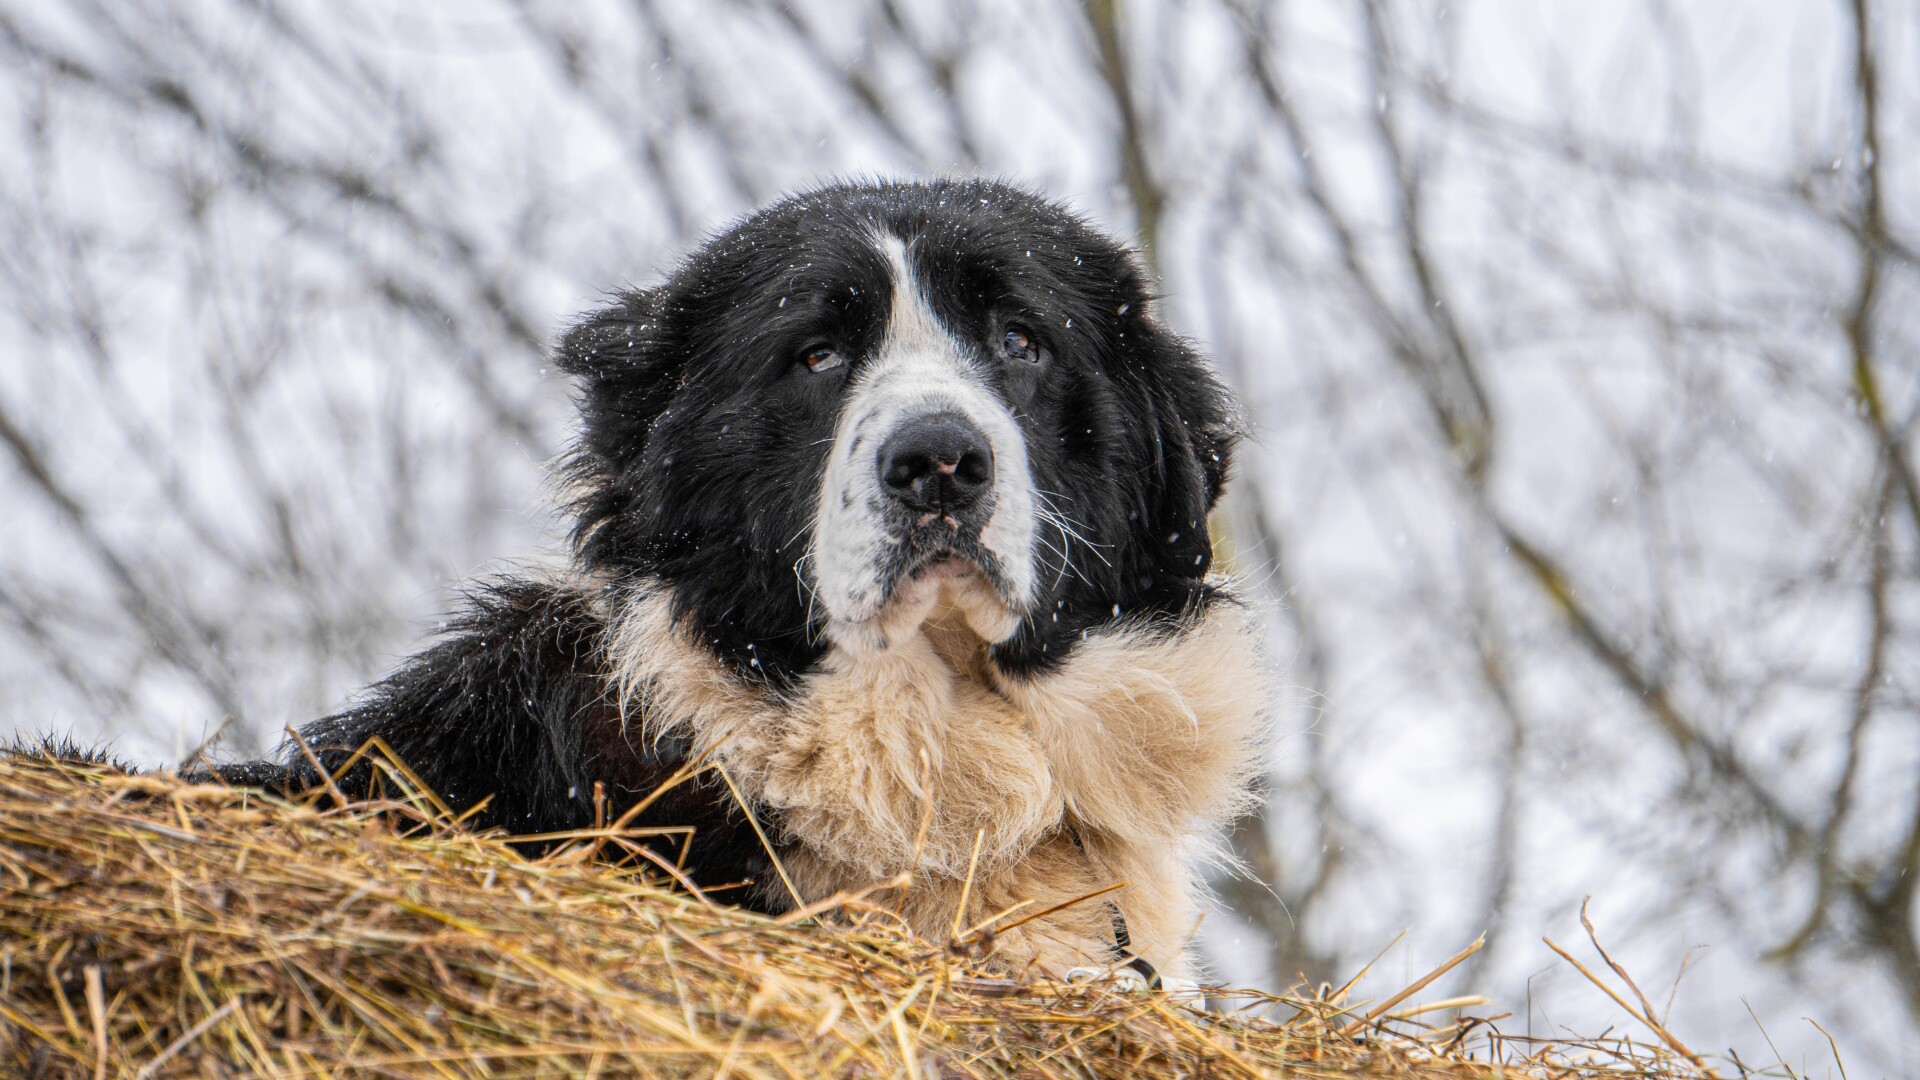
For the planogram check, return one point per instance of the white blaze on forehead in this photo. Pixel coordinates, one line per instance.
(919, 370)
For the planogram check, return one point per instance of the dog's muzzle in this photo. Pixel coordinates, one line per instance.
(927, 492)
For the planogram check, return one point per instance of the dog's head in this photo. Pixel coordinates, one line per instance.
(869, 400)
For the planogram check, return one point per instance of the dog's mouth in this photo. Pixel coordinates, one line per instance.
(937, 567)
(947, 566)
(936, 548)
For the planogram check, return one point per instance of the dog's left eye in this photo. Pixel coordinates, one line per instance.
(821, 358)
(1017, 344)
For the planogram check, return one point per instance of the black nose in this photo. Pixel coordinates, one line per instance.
(937, 464)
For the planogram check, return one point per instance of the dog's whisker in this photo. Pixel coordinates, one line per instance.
(1051, 515)
(1052, 512)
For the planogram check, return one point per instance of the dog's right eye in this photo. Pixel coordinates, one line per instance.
(1018, 344)
(821, 358)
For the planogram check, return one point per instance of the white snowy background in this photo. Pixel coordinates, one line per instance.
(1582, 342)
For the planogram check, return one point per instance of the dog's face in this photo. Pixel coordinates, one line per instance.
(872, 401)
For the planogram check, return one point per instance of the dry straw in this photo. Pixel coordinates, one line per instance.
(152, 927)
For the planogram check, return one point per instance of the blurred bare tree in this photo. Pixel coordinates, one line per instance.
(1581, 343)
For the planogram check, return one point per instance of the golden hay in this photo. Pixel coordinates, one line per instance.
(152, 927)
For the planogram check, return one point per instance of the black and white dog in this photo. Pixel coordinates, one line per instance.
(890, 505)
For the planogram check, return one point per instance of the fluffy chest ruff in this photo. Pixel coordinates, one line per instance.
(998, 794)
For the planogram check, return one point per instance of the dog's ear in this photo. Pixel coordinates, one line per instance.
(1194, 426)
(621, 359)
(616, 347)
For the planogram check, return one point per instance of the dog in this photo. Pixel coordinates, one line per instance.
(890, 552)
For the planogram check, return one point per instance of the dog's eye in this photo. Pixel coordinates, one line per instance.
(821, 358)
(1017, 344)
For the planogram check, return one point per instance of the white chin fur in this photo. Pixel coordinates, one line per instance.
(914, 601)
(920, 370)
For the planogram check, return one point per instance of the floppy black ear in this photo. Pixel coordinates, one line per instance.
(1194, 427)
(624, 367)
(616, 353)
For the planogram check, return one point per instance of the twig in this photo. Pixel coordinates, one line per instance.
(326, 777)
(1657, 1027)
(186, 1039)
(1420, 984)
(1834, 1045)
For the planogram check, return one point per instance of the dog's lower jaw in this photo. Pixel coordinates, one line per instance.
(947, 587)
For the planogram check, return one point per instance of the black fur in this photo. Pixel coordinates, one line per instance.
(64, 749)
(700, 457)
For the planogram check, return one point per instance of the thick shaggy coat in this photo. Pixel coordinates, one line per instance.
(891, 505)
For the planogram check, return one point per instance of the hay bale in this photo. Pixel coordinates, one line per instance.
(150, 926)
